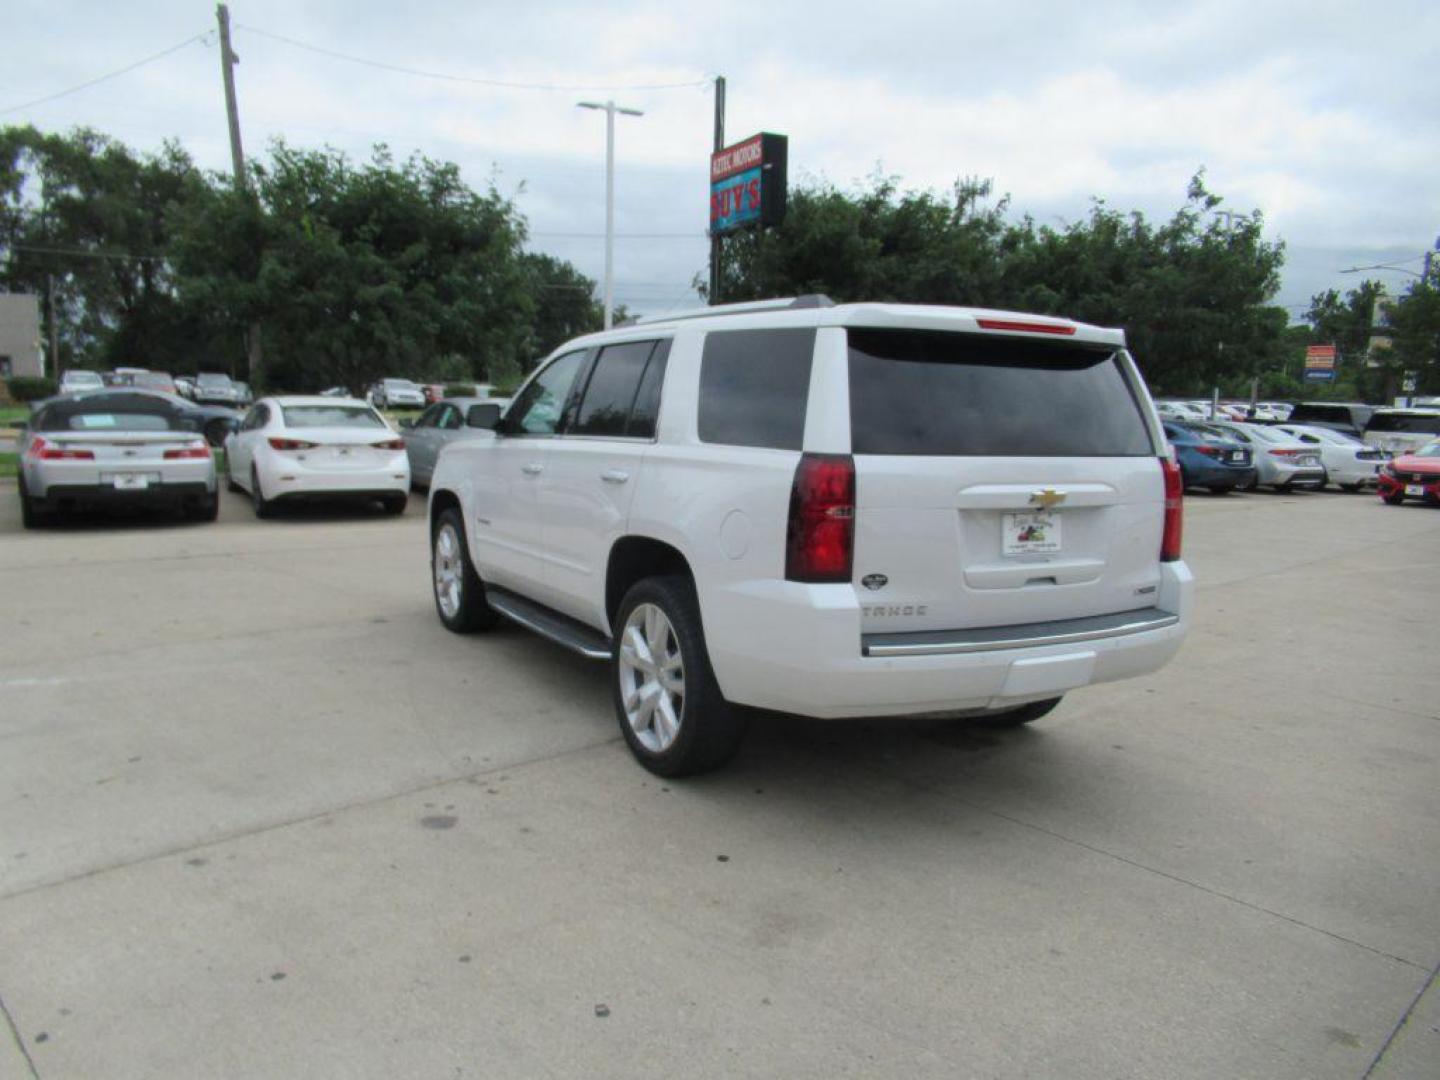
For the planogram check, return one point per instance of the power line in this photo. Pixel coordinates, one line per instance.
(619, 236)
(103, 78)
(501, 83)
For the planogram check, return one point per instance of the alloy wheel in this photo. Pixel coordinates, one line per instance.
(449, 571)
(651, 670)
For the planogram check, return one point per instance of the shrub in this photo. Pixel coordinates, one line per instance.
(460, 390)
(29, 388)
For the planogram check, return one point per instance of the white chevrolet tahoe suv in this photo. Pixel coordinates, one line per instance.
(833, 511)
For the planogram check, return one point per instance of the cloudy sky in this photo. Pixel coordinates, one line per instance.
(1325, 116)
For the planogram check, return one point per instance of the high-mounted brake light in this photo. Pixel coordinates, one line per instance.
(41, 450)
(1174, 511)
(197, 449)
(290, 444)
(820, 535)
(390, 444)
(1063, 329)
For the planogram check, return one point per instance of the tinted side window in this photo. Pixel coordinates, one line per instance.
(933, 393)
(449, 418)
(755, 386)
(540, 405)
(646, 412)
(605, 409)
(428, 417)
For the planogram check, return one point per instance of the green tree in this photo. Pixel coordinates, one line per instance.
(1347, 322)
(565, 303)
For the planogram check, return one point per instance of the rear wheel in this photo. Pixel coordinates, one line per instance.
(30, 518)
(1350, 487)
(395, 504)
(1021, 715)
(669, 706)
(459, 592)
(264, 507)
(207, 509)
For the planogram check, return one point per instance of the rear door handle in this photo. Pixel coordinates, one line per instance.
(534, 468)
(615, 476)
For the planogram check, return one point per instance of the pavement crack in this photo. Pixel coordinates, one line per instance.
(1400, 1024)
(19, 1041)
(1218, 893)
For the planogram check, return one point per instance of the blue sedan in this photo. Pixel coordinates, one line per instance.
(1210, 459)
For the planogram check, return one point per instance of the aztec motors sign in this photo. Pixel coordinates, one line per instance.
(747, 184)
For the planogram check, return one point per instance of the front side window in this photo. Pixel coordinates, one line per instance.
(449, 418)
(951, 394)
(541, 405)
(755, 386)
(610, 394)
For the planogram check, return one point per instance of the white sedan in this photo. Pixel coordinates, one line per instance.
(1348, 461)
(295, 448)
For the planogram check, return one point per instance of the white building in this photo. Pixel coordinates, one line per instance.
(21, 351)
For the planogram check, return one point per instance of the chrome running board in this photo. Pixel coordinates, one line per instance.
(561, 629)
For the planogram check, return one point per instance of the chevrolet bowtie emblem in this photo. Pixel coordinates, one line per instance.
(1047, 498)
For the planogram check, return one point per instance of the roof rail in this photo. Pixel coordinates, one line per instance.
(785, 303)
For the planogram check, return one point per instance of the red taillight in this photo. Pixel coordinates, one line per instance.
(47, 451)
(820, 537)
(193, 450)
(390, 444)
(1025, 327)
(1174, 511)
(1209, 451)
(1285, 452)
(290, 444)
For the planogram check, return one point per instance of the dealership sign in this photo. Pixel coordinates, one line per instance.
(1320, 363)
(747, 184)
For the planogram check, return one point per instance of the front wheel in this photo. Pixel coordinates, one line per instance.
(459, 592)
(207, 509)
(669, 706)
(395, 505)
(1394, 500)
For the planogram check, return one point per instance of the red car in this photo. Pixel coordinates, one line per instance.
(1416, 476)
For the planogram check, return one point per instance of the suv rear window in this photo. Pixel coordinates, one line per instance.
(754, 387)
(1409, 423)
(948, 394)
(1310, 412)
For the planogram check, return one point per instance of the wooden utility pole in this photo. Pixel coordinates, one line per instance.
(228, 60)
(719, 145)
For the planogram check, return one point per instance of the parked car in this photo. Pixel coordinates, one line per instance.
(1347, 417)
(1348, 462)
(1412, 476)
(295, 448)
(1282, 462)
(870, 509)
(80, 452)
(185, 386)
(75, 381)
(246, 397)
(150, 380)
(1399, 431)
(396, 394)
(215, 421)
(216, 388)
(1209, 459)
(443, 423)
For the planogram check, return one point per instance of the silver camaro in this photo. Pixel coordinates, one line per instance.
(118, 449)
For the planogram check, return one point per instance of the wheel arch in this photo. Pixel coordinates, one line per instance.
(635, 557)
(442, 499)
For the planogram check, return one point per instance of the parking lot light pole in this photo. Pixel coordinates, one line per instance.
(610, 109)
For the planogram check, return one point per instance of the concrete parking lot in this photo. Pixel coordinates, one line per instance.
(260, 815)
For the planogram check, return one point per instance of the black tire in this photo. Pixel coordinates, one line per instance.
(395, 504)
(1394, 500)
(1352, 488)
(1017, 716)
(264, 507)
(1283, 489)
(471, 611)
(1221, 489)
(207, 509)
(30, 518)
(709, 730)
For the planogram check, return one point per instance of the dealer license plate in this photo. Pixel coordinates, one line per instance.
(1237, 455)
(1033, 533)
(131, 481)
(1414, 489)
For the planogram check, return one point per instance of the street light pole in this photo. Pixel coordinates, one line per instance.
(610, 109)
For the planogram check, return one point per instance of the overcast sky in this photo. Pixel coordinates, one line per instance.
(1325, 116)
